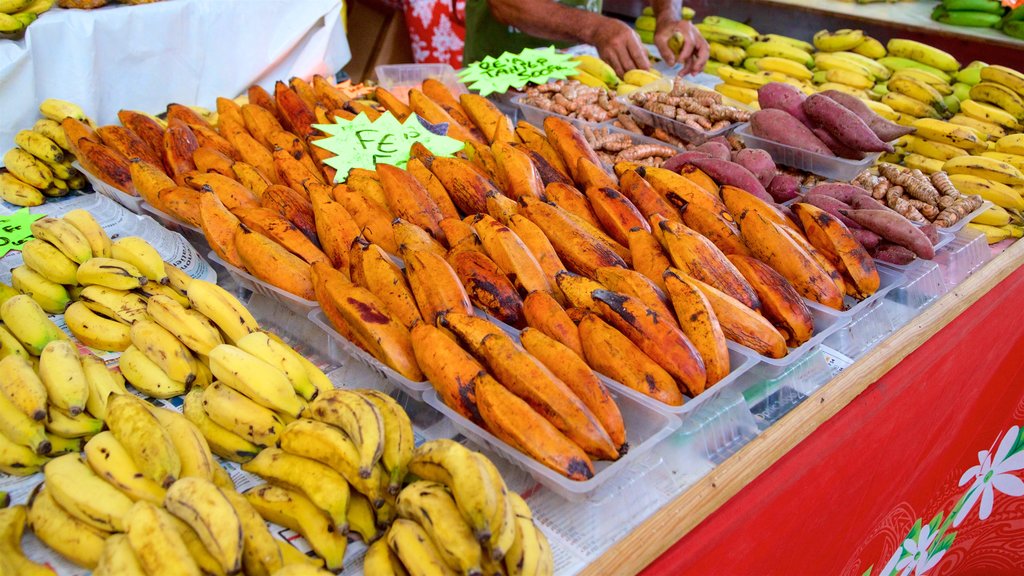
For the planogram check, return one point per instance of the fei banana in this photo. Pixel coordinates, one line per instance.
(142, 255)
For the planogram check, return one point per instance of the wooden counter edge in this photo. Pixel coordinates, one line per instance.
(666, 526)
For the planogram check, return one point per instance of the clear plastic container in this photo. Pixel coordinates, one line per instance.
(830, 167)
(671, 125)
(923, 284)
(534, 115)
(133, 203)
(963, 221)
(771, 392)
(392, 76)
(645, 427)
(339, 342)
(825, 324)
(718, 428)
(255, 285)
(865, 330)
(888, 280)
(967, 252)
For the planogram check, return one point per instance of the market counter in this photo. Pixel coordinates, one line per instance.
(864, 476)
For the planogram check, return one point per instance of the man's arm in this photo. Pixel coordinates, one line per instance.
(615, 41)
(694, 53)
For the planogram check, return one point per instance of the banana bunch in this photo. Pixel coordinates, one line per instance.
(969, 13)
(39, 166)
(459, 518)
(1012, 24)
(634, 79)
(592, 71)
(17, 15)
(12, 559)
(646, 23)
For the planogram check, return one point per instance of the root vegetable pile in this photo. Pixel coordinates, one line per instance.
(918, 197)
(694, 106)
(575, 100)
(617, 147)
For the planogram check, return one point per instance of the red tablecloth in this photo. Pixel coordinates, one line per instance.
(893, 482)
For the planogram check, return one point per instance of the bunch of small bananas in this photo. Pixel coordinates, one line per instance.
(17, 15)
(592, 71)
(646, 23)
(459, 518)
(39, 166)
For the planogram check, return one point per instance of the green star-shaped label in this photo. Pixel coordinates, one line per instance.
(362, 143)
(498, 75)
(15, 230)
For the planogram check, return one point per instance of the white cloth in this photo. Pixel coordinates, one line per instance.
(144, 57)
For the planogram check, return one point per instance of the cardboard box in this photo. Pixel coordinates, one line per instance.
(376, 36)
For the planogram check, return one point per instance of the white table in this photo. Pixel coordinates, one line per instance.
(144, 57)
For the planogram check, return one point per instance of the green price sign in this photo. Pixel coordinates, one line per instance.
(15, 230)
(498, 75)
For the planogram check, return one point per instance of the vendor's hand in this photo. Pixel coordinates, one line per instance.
(619, 45)
(694, 53)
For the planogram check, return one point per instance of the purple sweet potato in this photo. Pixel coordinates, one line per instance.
(885, 130)
(932, 232)
(714, 149)
(837, 147)
(722, 140)
(725, 172)
(846, 126)
(780, 126)
(682, 159)
(784, 187)
(783, 97)
(868, 239)
(841, 191)
(759, 163)
(832, 206)
(866, 202)
(894, 228)
(892, 253)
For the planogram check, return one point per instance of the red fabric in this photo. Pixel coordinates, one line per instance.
(846, 497)
(437, 30)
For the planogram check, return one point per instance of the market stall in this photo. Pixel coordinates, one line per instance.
(528, 317)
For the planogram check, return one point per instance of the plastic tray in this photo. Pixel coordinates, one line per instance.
(963, 221)
(673, 126)
(967, 252)
(865, 330)
(645, 427)
(133, 203)
(392, 76)
(825, 324)
(257, 286)
(536, 116)
(771, 393)
(923, 285)
(828, 166)
(888, 280)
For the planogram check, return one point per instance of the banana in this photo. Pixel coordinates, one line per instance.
(260, 553)
(150, 289)
(379, 559)
(67, 426)
(415, 548)
(84, 495)
(991, 130)
(851, 79)
(178, 279)
(221, 441)
(294, 511)
(147, 376)
(53, 131)
(870, 48)
(739, 93)
(109, 459)
(927, 77)
(205, 508)
(64, 236)
(780, 50)
(96, 331)
(923, 53)
(27, 168)
(157, 543)
(330, 446)
(1012, 144)
(883, 110)
(588, 80)
(325, 487)
(1008, 77)
(785, 66)
(7, 292)
(745, 79)
(68, 536)
(39, 146)
(398, 437)
(877, 70)
(731, 55)
(970, 74)
(118, 558)
(922, 163)
(359, 419)
(315, 374)
(239, 414)
(12, 558)
(61, 372)
(11, 25)
(121, 305)
(726, 36)
(58, 110)
(989, 114)
(193, 450)
(994, 216)
(141, 434)
(805, 46)
(597, 68)
(141, 254)
(987, 168)
(29, 323)
(262, 382)
(990, 93)
(361, 518)
(282, 357)
(17, 192)
(999, 194)
(531, 554)
(222, 308)
(88, 227)
(21, 429)
(895, 63)
(49, 262)
(51, 297)
(9, 345)
(730, 24)
(110, 273)
(20, 384)
(930, 149)
(918, 90)
(164, 349)
(837, 41)
(827, 61)
(197, 334)
(993, 234)
(1012, 159)
(947, 133)
(19, 460)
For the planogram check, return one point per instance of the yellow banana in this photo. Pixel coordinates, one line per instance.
(68, 536)
(17, 192)
(52, 297)
(222, 308)
(101, 385)
(922, 163)
(1014, 160)
(118, 558)
(195, 332)
(84, 495)
(239, 414)
(121, 305)
(96, 331)
(1012, 144)
(19, 428)
(39, 146)
(62, 374)
(203, 506)
(325, 487)
(282, 357)
(163, 348)
(111, 273)
(1008, 77)
(923, 53)
(918, 90)
(989, 113)
(414, 547)
(794, 42)
(193, 451)
(142, 436)
(27, 168)
(29, 323)
(877, 70)
(597, 68)
(994, 216)
(58, 110)
(65, 236)
(141, 254)
(147, 376)
(852, 79)
(999, 194)
(991, 130)
(988, 92)
(870, 48)
(781, 50)
(157, 543)
(262, 382)
(358, 418)
(91, 230)
(22, 386)
(398, 436)
(222, 442)
(52, 130)
(956, 135)
(294, 511)
(731, 55)
(49, 262)
(785, 66)
(987, 168)
(844, 39)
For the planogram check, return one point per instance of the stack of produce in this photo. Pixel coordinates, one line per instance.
(17, 15)
(746, 168)
(646, 24)
(39, 166)
(614, 147)
(574, 100)
(696, 107)
(981, 14)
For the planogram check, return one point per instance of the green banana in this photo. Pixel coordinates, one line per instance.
(992, 6)
(970, 19)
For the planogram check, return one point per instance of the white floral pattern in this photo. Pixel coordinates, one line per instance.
(993, 473)
(912, 557)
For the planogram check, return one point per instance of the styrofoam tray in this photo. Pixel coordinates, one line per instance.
(831, 167)
(133, 203)
(255, 285)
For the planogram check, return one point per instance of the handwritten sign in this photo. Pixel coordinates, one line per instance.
(498, 75)
(15, 230)
(362, 143)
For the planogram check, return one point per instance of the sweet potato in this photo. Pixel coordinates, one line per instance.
(893, 253)
(676, 162)
(715, 150)
(894, 228)
(733, 174)
(832, 206)
(865, 202)
(784, 187)
(782, 127)
(780, 96)
(868, 239)
(932, 232)
(843, 192)
(846, 126)
(885, 130)
(837, 147)
(759, 163)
